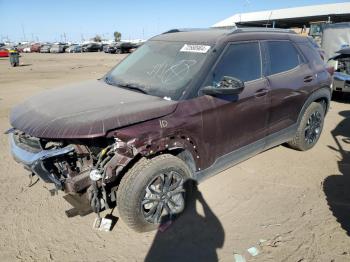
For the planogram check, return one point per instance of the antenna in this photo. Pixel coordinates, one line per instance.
(24, 35)
(268, 21)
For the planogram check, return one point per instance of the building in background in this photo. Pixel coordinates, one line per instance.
(296, 17)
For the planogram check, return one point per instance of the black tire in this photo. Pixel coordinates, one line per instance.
(133, 187)
(303, 139)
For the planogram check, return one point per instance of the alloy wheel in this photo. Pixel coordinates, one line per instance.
(164, 195)
(313, 128)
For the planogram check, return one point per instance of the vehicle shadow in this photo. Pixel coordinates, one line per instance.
(337, 187)
(191, 237)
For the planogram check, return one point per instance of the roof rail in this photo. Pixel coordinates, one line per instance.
(262, 29)
(177, 30)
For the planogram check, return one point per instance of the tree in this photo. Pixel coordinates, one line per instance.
(117, 36)
(97, 38)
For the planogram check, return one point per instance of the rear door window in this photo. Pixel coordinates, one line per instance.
(283, 56)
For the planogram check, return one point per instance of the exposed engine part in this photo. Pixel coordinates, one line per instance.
(344, 66)
(95, 197)
(98, 195)
(95, 175)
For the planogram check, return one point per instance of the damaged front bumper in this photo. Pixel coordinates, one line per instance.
(34, 161)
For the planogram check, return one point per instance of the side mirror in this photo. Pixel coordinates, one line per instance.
(227, 86)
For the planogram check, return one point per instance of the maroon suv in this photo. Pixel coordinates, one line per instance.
(186, 104)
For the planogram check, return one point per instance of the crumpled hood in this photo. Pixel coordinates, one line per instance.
(86, 110)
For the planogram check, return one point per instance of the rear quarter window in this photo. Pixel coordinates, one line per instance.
(312, 54)
(282, 56)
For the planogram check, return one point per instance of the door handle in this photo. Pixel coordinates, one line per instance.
(261, 92)
(308, 79)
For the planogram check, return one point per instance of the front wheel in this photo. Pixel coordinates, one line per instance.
(310, 128)
(152, 191)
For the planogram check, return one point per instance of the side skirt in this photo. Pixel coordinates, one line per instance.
(231, 159)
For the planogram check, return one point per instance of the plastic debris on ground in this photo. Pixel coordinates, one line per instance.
(253, 251)
(102, 224)
(239, 258)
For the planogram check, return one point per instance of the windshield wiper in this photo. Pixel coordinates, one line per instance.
(109, 81)
(132, 86)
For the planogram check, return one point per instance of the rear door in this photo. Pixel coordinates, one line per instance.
(290, 79)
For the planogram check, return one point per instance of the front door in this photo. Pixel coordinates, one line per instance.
(235, 121)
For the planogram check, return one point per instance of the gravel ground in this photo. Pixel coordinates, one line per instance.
(289, 205)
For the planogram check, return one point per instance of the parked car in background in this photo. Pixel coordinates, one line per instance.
(102, 46)
(35, 47)
(45, 49)
(119, 48)
(185, 105)
(67, 50)
(74, 49)
(21, 47)
(123, 47)
(105, 48)
(57, 49)
(4, 52)
(93, 47)
(109, 48)
(26, 49)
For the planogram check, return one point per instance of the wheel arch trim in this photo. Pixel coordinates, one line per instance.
(322, 93)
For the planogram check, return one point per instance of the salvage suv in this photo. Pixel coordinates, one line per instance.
(186, 105)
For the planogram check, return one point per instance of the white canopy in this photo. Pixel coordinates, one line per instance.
(287, 13)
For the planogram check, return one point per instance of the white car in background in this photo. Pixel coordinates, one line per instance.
(57, 49)
(26, 49)
(74, 49)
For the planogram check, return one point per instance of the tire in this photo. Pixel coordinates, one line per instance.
(134, 193)
(307, 135)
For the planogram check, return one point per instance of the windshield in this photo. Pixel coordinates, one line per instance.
(160, 68)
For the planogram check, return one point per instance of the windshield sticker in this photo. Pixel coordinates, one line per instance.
(195, 48)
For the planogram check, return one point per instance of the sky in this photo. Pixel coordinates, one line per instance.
(76, 20)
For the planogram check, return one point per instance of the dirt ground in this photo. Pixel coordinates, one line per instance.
(291, 206)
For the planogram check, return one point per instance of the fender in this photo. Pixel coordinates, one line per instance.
(323, 92)
(182, 146)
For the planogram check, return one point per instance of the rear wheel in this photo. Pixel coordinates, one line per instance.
(152, 191)
(310, 128)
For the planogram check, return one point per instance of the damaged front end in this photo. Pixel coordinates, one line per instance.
(84, 170)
